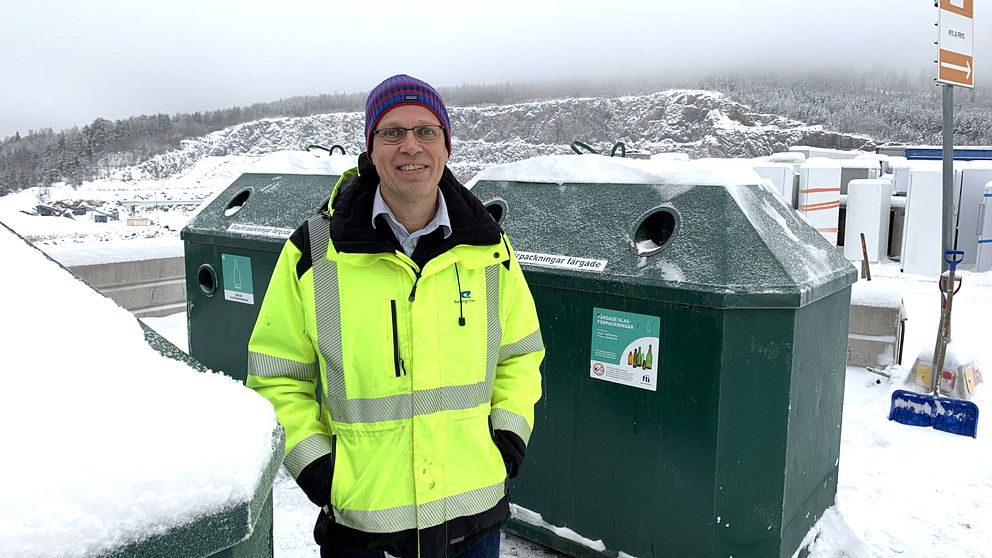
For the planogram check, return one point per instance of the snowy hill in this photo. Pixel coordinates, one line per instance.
(699, 123)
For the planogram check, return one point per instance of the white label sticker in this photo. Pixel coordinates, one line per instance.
(626, 348)
(561, 262)
(238, 282)
(277, 232)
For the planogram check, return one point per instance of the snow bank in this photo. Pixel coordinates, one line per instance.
(108, 442)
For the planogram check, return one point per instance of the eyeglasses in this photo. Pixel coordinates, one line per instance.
(424, 134)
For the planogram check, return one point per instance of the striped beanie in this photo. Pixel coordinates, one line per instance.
(403, 90)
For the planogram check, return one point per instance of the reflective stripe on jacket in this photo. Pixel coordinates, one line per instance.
(416, 366)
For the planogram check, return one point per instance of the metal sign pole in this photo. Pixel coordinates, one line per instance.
(947, 222)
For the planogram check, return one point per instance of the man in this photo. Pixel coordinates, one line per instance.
(403, 306)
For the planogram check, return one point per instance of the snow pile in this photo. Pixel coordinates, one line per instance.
(533, 518)
(108, 442)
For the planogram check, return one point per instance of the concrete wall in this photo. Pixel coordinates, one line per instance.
(146, 288)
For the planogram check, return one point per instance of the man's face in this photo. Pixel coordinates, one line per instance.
(410, 171)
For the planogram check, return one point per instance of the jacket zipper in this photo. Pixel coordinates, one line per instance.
(397, 360)
(413, 291)
(329, 508)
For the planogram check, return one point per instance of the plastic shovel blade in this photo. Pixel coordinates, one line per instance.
(914, 409)
(956, 416)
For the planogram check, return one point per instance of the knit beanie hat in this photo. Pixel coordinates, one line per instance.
(403, 90)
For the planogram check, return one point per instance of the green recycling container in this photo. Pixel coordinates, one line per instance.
(696, 335)
(231, 247)
(240, 531)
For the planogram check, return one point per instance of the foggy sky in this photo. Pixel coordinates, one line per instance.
(64, 63)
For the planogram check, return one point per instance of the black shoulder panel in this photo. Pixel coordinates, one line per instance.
(301, 239)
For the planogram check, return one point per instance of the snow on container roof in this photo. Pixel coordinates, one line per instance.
(786, 157)
(880, 181)
(822, 163)
(114, 442)
(303, 162)
(860, 163)
(770, 165)
(586, 169)
(864, 293)
(826, 152)
(264, 208)
(876, 156)
(704, 232)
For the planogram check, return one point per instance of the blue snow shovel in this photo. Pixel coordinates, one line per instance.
(930, 409)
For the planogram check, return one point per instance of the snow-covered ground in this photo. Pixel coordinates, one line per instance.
(903, 491)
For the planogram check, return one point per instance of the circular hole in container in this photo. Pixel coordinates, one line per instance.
(207, 278)
(654, 230)
(237, 202)
(497, 209)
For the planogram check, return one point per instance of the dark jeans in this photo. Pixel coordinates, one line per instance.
(488, 547)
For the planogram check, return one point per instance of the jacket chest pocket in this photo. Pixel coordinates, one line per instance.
(373, 342)
(468, 327)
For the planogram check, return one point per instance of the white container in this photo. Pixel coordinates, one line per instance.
(970, 181)
(858, 169)
(868, 204)
(900, 177)
(883, 160)
(921, 239)
(819, 195)
(983, 255)
(783, 178)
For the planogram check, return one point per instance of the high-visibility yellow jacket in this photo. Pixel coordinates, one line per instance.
(426, 370)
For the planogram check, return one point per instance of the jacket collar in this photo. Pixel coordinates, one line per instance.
(350, 213)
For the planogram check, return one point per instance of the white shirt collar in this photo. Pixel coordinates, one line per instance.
(408, 240)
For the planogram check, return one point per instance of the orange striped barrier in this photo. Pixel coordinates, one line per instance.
(820, 206)
(818, 190)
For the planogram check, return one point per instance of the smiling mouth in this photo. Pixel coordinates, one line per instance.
(411, 167)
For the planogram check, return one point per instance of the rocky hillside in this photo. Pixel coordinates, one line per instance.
(699, 123)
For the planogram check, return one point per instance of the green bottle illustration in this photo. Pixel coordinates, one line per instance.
(638, 358)
(650, 358)
(237, 275)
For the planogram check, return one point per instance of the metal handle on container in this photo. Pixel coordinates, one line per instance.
(579, 146)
